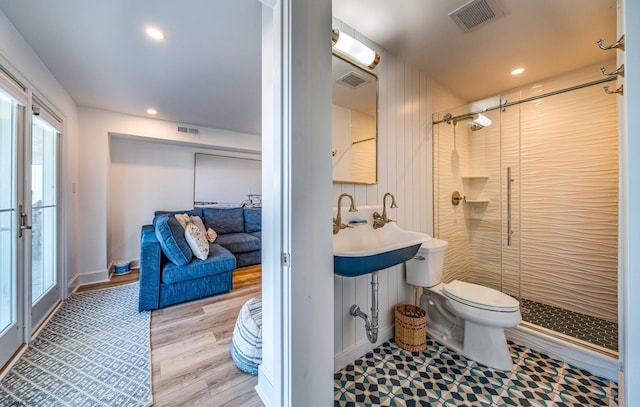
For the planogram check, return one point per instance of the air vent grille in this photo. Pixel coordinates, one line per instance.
(352, 79)
(475, 14)
(188, 130)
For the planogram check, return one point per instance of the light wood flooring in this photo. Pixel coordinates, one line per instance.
(190, 346)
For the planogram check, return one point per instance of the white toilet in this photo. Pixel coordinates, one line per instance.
(465, 317)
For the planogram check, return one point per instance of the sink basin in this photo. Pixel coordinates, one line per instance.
(362, 249)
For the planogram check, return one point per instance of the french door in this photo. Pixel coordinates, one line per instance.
(29, 272)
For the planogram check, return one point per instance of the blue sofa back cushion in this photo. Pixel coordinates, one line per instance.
(224, 220)
(170, 234)
(191, 212)
(252, 220)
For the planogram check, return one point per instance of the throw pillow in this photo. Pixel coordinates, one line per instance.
(197, 220)
(183, 218)
(197, 241)
(211, 235)
(171, 237)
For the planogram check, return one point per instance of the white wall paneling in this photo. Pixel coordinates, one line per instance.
(406, 97)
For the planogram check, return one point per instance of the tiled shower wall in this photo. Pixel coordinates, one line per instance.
(407, 99)
(563, 153)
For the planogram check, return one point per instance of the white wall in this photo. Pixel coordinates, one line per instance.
(407, 99)
(18, 57)
(94, 163)
(145, 177)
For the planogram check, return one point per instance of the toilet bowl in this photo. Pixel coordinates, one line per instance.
(468, 318)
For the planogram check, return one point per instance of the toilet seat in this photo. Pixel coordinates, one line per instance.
(480, 297)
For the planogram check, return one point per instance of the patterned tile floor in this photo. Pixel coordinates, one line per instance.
(390, 376)
(584, 327)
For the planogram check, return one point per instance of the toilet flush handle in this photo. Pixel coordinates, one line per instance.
(421, 258)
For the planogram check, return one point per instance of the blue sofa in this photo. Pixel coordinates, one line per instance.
(170, 274)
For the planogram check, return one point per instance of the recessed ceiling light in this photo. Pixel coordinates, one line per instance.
(154, 33)
(152, 111)
(517, 71)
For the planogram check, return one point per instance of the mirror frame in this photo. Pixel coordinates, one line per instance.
(370, 72)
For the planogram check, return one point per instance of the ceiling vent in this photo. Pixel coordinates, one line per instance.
(352, 80)
(188, 130)
(475, 14)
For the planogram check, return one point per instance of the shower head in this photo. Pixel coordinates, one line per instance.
(478, 120)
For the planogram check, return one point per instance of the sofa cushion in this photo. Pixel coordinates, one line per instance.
(239, 242)
(252, 220)
(220, 260)
(170, 234)
(257, 234)
(191, 212)
(224, 220)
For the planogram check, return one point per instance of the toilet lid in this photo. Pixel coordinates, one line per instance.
(480, 297)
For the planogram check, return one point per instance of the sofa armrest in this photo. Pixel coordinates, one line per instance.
(150, 262)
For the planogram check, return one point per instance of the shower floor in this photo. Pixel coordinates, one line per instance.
(584, 327)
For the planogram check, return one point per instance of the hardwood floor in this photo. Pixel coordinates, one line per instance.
(190, 346)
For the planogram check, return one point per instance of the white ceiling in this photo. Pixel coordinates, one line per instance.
(207, 71)
(546, 37)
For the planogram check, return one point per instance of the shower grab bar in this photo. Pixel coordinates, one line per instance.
(509, 180)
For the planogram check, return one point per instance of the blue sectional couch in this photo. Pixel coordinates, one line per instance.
(170, 274)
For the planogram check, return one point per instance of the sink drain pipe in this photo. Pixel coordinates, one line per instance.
(370, 324)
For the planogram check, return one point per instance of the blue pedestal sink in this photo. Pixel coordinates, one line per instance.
(362, 249)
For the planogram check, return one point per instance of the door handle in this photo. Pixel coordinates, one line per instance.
(23, 221)
(509, 181)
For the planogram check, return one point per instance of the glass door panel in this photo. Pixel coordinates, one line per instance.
(11, 334)
(44, 264)
(43, 209)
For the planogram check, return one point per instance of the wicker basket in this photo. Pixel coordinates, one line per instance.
(411, 327)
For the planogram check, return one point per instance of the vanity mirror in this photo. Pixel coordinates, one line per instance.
(354, 124)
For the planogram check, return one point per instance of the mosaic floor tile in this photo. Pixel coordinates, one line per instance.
(584, 327)
(390, 376)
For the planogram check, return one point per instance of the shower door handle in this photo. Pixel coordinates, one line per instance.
(509, 181)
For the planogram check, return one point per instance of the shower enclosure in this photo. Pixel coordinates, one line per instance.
(526, 194)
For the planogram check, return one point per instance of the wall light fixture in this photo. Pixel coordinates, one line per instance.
(354, 49)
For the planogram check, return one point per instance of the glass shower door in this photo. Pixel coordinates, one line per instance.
(567, 195)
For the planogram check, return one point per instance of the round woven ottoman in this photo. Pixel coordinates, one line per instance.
(246, 343)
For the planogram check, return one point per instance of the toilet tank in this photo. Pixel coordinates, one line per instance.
(425, 269)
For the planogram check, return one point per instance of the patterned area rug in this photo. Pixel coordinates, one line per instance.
(94, 352)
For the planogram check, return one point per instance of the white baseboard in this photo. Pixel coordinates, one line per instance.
(264, 388)
(90, 277)
(73, 285)
(578, 356)
(360, 348)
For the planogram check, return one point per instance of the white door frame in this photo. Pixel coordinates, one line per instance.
(297, 279)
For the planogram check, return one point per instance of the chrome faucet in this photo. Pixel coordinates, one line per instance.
(337, 221)
(381, 220)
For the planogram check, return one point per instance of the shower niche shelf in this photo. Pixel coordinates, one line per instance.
(474, 186)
